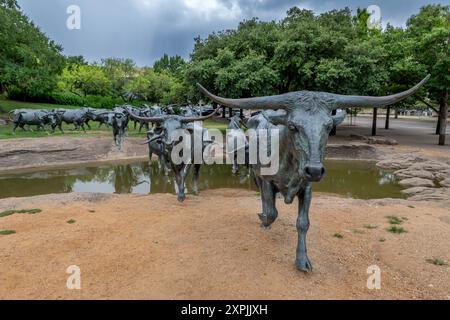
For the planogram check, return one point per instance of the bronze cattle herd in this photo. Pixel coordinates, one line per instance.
(303, 121)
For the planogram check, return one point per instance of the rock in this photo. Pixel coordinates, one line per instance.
(382, 140)
(440, 194)
(416, 182)
(441, 175)
(408, 173)
(358, 137)
(401, 162)
(417, 190)
(431, 165)
(445, 183)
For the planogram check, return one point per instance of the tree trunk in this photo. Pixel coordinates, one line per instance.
(438, 126)
(224, 111)
(334, 130)
(443, 117)
(374, 123)
(388, 115)
(230, 112)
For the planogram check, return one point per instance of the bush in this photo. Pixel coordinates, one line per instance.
(64, 98)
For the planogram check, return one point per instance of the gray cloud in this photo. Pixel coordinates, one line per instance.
(146, 29)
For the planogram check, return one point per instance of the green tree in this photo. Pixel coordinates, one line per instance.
(119, 72)
(86, 80)
(173, 65)
(29, 61)
(429, 37)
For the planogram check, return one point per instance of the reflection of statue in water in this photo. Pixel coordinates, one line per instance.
(125, 179)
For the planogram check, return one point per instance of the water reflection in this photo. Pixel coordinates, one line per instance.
(350, 178)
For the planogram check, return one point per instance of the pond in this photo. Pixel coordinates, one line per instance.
(356, 179)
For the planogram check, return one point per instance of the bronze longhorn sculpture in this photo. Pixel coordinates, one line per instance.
(304, 120)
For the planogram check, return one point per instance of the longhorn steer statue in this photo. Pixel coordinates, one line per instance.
(304, 124)
(29, 117)
(163, 134)
(235, 140)
(119, 124)
(77, 117)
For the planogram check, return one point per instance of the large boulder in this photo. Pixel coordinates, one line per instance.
(408, 173)
(416, 182)
(438, 194)
(398, 162)
(418, 191)
(430, 165)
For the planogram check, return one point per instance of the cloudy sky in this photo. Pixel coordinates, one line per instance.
(146, 29)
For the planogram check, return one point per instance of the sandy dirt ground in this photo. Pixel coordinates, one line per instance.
(212, 247)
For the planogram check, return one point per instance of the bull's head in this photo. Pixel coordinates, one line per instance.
(167, 124)
(308, 118)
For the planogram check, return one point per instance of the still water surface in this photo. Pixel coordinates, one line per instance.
(356, 179)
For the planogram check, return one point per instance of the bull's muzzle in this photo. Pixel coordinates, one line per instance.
(315, 172)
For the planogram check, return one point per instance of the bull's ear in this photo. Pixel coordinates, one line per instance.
(339, 117)
(276, 117)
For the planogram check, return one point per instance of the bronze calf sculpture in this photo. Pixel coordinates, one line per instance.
(304, 121)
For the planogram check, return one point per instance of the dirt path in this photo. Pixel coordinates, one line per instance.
(211, 247)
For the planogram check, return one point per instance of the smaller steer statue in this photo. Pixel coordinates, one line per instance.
(167, 125)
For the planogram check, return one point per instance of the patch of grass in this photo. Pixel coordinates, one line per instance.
(395, 220)
(71, 221)
(338, 235)
(358, 231)
(437, 262)
(7, 232)
(92, 211)
(382, 240)
(11, 212)
(370, 227)
(396, 230)
(412, 207)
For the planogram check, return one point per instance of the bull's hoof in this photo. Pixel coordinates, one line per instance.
(304, 265)
(266, 221)
(181, 199)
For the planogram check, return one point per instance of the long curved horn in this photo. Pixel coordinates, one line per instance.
(146, 119)
(344, 101)
(153, 139)
(270, 102)
(193, 119)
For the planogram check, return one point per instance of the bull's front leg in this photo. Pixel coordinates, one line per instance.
(304, 202)
(268, 198)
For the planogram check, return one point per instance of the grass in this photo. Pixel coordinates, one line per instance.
(412, 207)
(396, 230)
(11, 212)
(382, 240)
(7, 232)
(437, 262)
(370, 227)
(338, 235)
(92, 211)
(71, 221)
(395, 220)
